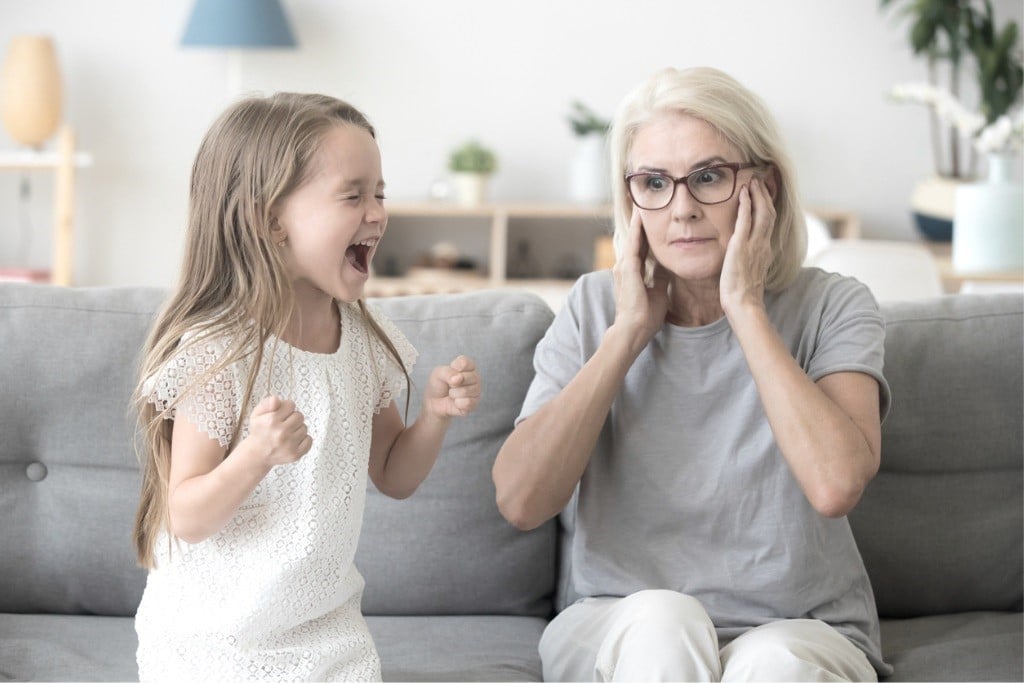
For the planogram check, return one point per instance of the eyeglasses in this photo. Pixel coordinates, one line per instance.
(709, 185)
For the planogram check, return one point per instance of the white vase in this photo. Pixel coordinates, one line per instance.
(470, 188)
(988, 224)
(588, 174)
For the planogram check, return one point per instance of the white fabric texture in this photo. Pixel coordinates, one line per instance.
(662, 635)
(275, 594)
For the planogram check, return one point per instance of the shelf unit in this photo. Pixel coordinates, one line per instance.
(63, 162)
(496, 218)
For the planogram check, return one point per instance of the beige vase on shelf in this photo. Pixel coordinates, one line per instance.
(31, 95)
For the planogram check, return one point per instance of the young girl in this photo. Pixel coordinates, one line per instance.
(265, 398)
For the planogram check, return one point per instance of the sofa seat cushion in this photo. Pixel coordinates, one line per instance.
(970, 646)
(50, 647)
(471, 648)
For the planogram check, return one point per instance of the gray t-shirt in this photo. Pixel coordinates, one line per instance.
(687, 490)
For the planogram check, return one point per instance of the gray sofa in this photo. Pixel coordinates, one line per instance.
(453, 592)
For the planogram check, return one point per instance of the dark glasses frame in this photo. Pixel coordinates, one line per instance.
(685, 181)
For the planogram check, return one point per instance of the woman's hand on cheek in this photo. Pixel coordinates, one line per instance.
(640, 308)
(749, 253)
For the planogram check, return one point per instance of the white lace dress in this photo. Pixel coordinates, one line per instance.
(275, 595)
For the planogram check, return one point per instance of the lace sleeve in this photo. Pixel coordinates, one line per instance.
(185, 383)
(393, 381)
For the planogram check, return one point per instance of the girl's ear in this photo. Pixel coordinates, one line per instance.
(277, 232)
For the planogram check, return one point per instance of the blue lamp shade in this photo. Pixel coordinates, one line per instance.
(238, 23)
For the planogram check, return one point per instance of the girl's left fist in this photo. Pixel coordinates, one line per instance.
(453, 390)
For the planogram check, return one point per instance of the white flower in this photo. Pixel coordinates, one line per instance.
(1003, 134)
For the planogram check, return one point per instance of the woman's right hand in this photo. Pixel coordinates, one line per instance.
(278, 431)
(639, 310)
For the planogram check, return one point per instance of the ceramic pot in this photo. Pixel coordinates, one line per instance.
(470, 188)
(588, 174)
(988, 227)
(31, 90)
(932, 204)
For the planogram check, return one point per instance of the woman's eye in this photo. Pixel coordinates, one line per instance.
(657, 183)
(707, 177)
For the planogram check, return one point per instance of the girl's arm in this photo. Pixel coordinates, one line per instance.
(541, 462)
(205, 488)
(401, 457)
(829, 431)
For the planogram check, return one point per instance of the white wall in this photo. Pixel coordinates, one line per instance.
(431, 73)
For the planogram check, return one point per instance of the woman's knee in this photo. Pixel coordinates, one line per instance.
(794, 649)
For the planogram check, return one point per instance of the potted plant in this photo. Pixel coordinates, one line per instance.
(471, 165)
(588, 176)
(960, 32)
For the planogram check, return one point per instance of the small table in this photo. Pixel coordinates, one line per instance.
(954, 280)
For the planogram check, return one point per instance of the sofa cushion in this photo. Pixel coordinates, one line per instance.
(478, 648)
(944, 515)
(971, 646)
(68, 473)
(447, 549)
(51, 647)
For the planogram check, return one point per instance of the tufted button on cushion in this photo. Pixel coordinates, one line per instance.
(36, 471)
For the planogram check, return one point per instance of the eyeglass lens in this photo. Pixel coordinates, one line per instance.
(711, 185)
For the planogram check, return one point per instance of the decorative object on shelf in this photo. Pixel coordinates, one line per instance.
(988, 228)
(238, 25)
(471, 165)
(950, 31)
(31, 90)
(522, 265)
(588, 176)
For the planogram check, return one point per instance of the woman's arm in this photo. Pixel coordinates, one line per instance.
(205, 488)
(544, 458)
(829, 431)
(401, 457)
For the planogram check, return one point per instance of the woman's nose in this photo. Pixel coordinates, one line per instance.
(683, 203)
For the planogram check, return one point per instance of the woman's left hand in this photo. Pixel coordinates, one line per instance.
(749, 254)
(453, 390)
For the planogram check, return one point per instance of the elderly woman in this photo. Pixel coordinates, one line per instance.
(704, 416)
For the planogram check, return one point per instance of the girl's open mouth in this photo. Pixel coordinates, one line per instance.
(358, 255)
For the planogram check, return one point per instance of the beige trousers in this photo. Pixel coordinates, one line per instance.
(661, 635)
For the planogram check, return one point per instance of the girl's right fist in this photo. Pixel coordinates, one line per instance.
(278, 431)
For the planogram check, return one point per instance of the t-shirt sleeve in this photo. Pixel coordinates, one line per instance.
(851, 337)
(558, 356)
(392, 379)
(185, 385)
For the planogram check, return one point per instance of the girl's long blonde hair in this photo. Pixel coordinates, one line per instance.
(744, 120)
(233, 279)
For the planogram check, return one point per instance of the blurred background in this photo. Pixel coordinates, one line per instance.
(431, 75)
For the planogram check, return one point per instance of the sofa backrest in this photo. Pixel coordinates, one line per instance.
(447, 549)
(942, 525)
(69, 478)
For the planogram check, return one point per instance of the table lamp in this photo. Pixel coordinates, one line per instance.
(237, 25)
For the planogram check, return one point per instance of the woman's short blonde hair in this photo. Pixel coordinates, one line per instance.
(743, 120)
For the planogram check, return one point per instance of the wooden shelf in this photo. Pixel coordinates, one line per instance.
(495, 218)
(63, 163)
